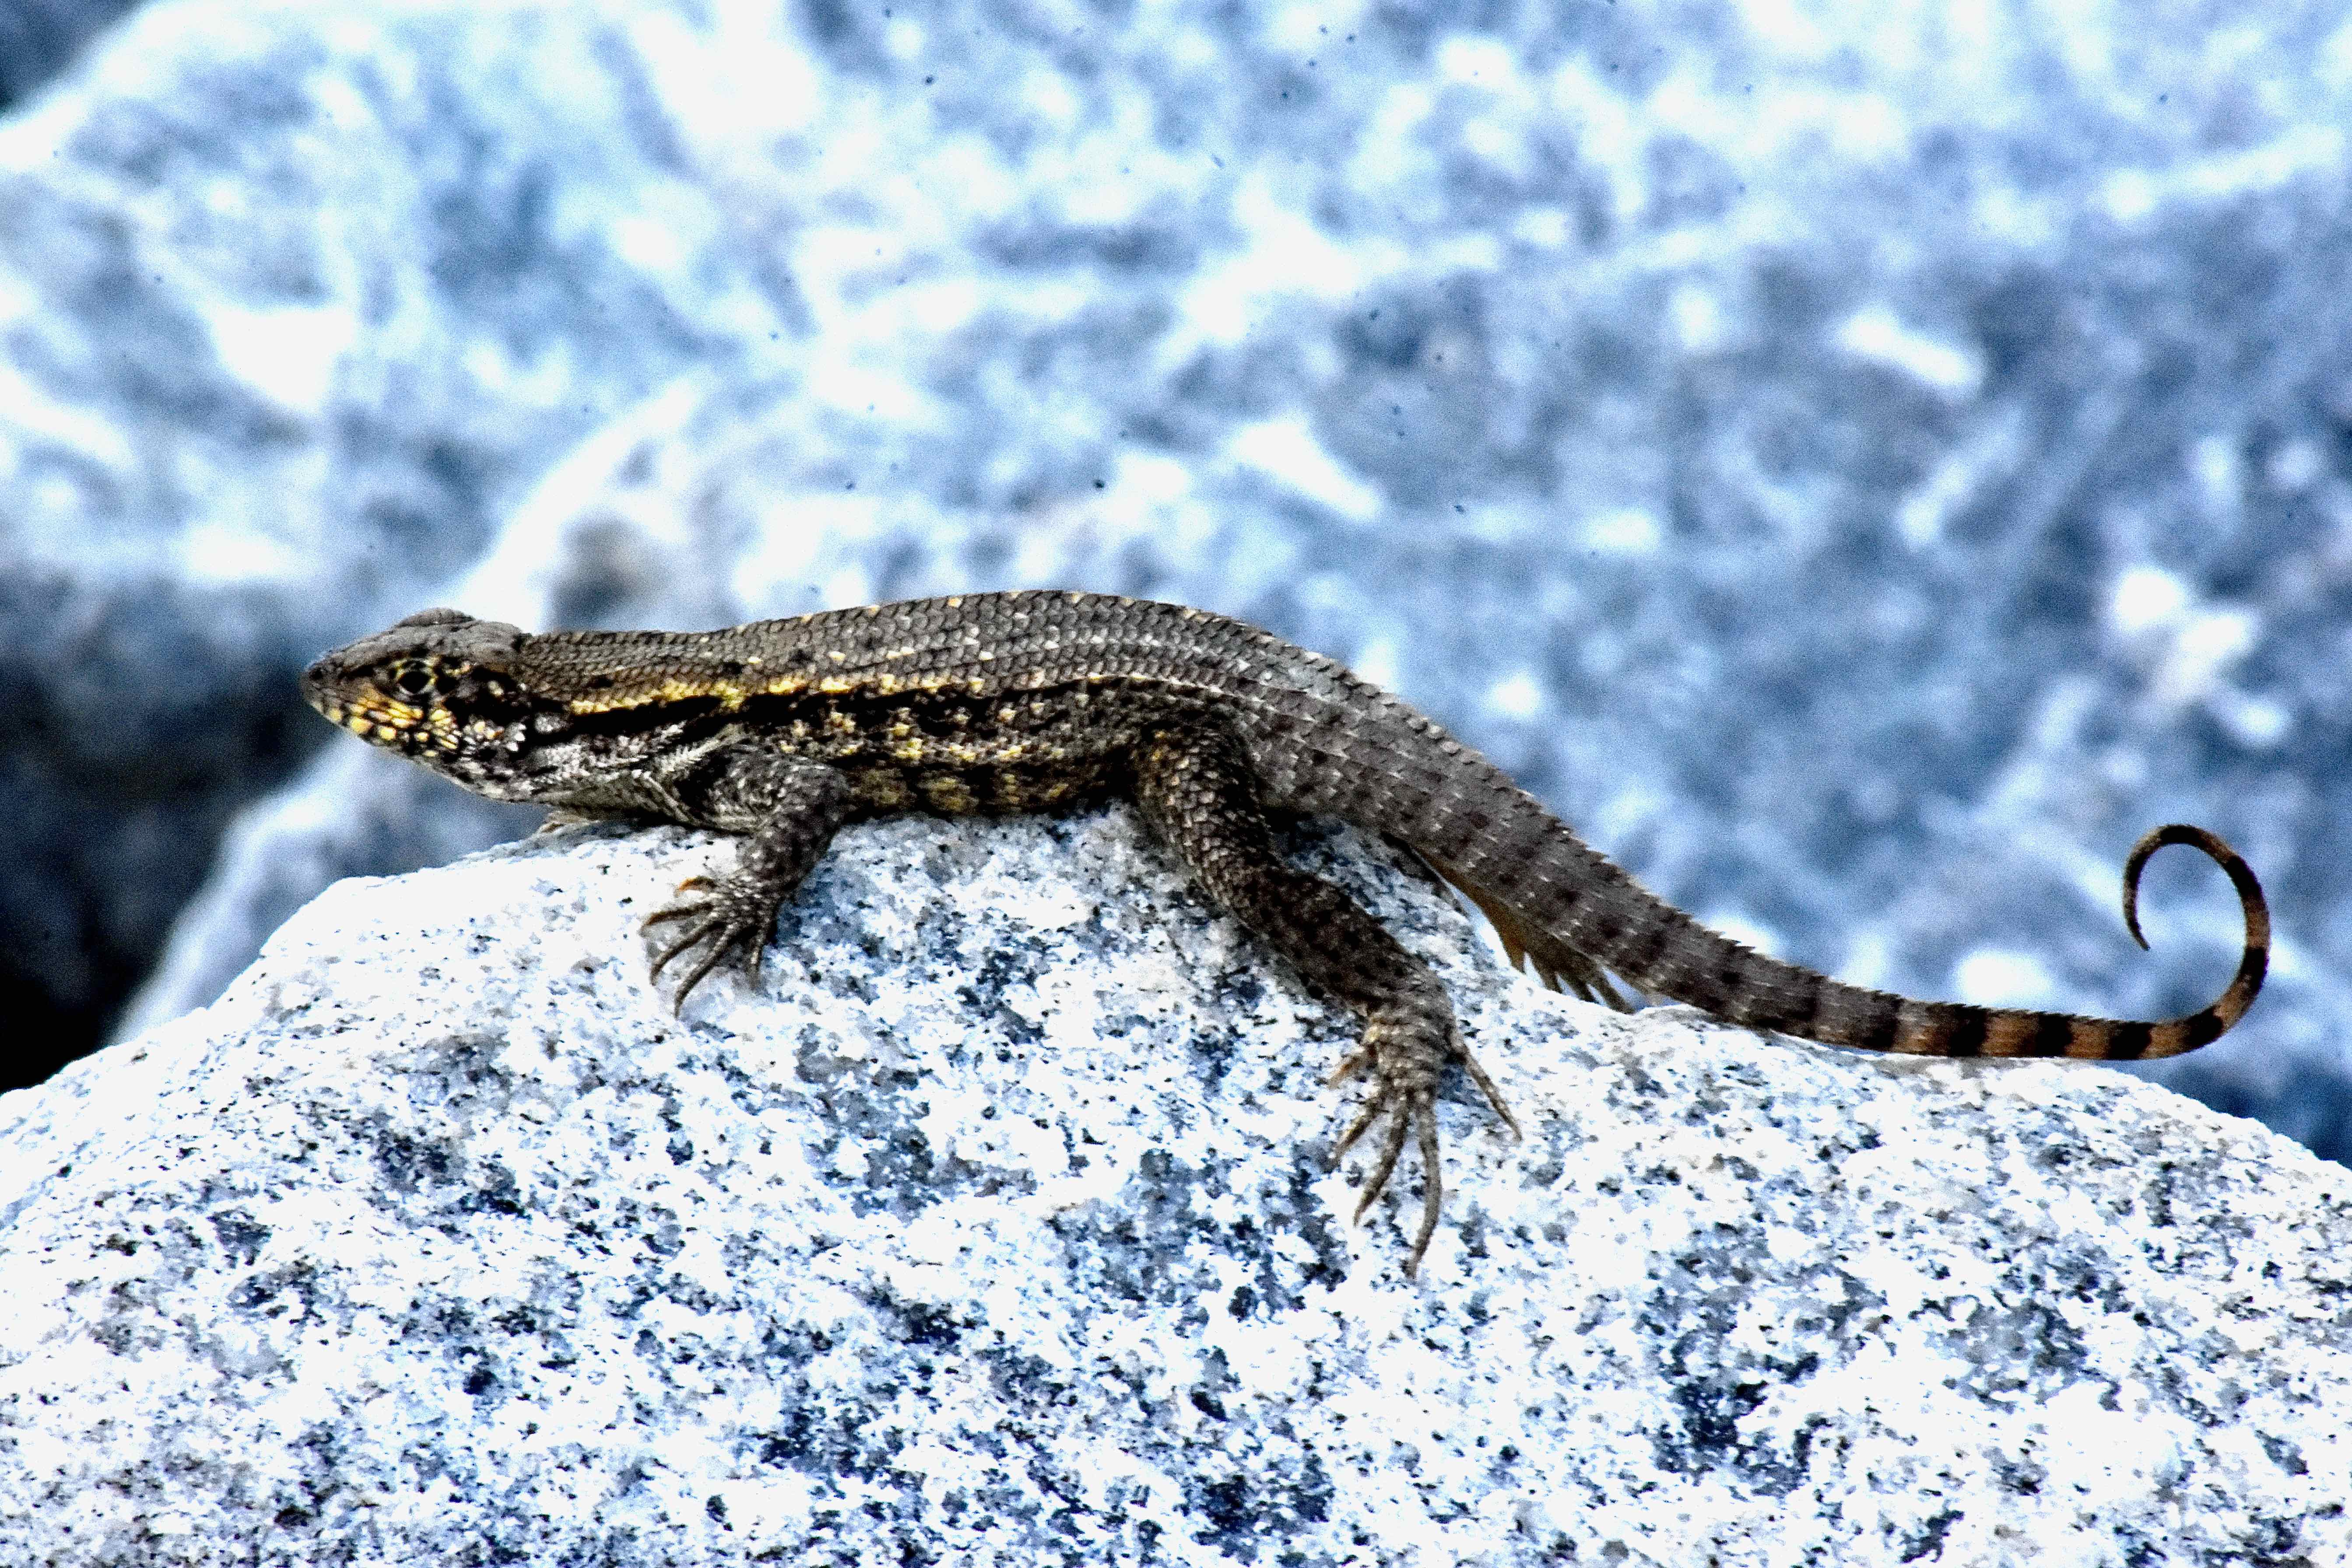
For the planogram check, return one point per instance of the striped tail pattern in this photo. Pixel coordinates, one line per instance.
(1549, 922)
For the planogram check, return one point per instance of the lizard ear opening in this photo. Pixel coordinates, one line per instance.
(435, 617)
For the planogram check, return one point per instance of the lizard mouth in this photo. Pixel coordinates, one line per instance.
(371, 716)
(383, 724)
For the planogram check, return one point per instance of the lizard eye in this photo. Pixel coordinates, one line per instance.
(411, 677)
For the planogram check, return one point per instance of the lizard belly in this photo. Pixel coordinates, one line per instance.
(1002, 789)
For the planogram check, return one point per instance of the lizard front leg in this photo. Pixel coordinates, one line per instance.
(789, 808)
(1196, 791)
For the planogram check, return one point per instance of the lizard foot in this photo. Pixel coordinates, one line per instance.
(1405, 1112)
(728, 913)
(1404, 1072)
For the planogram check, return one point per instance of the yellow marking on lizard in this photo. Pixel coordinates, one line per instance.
(950, 795)
(677, 689)
(882, 788)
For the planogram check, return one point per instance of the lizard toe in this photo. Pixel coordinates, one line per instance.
(1376, 1182)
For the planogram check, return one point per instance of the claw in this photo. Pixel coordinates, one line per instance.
(1419, 1118)
(710, 962)
(1364, 1119)
(1485, 1086)
(1391, 1148)
(681, 944)
(679, 911)
(1433, 1188)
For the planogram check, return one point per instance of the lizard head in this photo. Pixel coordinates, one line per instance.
(439, 688)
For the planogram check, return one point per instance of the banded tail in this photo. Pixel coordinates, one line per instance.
(1570, 913)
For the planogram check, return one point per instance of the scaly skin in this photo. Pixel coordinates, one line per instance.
(785, 731)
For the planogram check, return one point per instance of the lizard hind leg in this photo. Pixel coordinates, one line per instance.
(1196, 792)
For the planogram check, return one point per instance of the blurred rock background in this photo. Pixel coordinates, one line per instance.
(1861, 464)
(39, 38)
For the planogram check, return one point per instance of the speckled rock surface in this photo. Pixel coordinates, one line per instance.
(994, 1228)
(1863, 466)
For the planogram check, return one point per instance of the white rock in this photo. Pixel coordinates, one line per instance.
(994, 1225)
(1783, 391)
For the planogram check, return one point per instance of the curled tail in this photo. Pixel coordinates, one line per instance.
(1571, 913)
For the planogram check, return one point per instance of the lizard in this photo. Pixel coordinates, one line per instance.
(785, 732)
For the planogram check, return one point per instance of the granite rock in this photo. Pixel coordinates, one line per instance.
(995, 1226)
(1863, 468)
